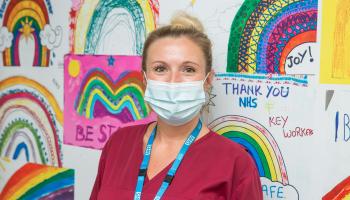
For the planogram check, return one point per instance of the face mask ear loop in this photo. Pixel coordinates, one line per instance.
(206, 77)
(144, 75)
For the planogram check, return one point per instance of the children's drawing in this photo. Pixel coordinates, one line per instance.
(111, 26)
(30, 34)
(261, 113)
(340, 191)
(35, 181)
(273, 37)
(335, 62)
(258, 141)
(102, 93)
(31, 117)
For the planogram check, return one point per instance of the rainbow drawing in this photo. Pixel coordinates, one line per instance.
(340, 191)
(30, 118)
(258, 141)
(35, 181)
(267, 31)
(93, 21)
(25, 19)
(102, 93)
(100, 96)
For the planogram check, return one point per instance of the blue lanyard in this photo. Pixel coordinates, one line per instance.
(171, 173)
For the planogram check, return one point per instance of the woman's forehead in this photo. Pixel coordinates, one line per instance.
(180, 48)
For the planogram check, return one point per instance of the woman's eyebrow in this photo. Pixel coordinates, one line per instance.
(191, 62)
(158, 61)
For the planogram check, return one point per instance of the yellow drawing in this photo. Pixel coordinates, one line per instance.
(335, 44)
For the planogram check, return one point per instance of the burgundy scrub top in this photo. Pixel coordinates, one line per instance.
(214, 168)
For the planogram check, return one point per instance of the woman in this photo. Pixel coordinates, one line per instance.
(176, 157)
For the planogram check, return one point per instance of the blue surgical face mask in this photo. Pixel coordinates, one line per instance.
(175, 103)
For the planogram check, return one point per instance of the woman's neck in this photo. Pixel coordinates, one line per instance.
(167, 133)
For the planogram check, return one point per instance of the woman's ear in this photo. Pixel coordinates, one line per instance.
(209, 81)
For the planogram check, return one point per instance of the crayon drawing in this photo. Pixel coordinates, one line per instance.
(335, 62)
(111, 26)
(31, 118)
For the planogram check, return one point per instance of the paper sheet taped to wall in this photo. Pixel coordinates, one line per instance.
(271, 116)
(102, 93)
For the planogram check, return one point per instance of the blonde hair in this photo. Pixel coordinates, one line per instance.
(182, 25)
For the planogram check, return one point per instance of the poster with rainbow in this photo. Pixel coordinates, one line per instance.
(257, 36)
(111, 27)
(102, 93)
(31, 115)
(262, 113)
(22, 180)
(33, 32)
(274, 37)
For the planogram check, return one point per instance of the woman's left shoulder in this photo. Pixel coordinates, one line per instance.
(228, 150)
(239, 166)
(225, 144)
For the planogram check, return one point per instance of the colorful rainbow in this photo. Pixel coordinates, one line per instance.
(99, 96)
(258, 141)
(340, 191)
(30, 117)
(87, 23)
(26, 18)
(267, 31)
(34, 181)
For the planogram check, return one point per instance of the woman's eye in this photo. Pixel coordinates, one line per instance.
(189, 70)
(159, 68)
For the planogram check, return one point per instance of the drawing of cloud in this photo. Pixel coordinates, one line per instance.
(275, 190)
(5, 38)
(51, 38)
